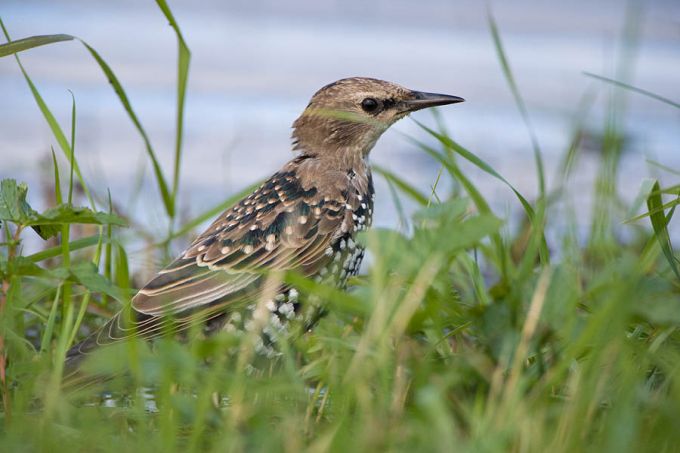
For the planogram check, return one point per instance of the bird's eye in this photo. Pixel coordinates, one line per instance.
(370, 105)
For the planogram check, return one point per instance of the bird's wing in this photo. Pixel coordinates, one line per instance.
(282, 225)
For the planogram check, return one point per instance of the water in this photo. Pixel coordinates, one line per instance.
(255, 65)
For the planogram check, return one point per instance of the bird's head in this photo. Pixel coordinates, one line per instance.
(348, 116)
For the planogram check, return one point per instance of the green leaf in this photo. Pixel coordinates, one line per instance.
(476, 197)
(66, 214)
(13, 204)
(445, 212)
(15, 208)
(49, 222)
(20, 45)
(49, 325)
(659, 221)
(51, 121)
(51, 252)
(86, 274)
(450, 237)
(449, 143)
(23, 266)
(646, 187)
(659, 310)
(46, 231)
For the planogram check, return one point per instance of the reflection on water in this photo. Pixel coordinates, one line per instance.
(255, 64)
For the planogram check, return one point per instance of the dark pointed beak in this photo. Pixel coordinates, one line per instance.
(423, 100)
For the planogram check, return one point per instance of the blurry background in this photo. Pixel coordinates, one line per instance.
(256, 63)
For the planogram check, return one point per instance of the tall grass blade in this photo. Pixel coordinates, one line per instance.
(183, 59)
(408, 189)
(659, 224)
(31, 42)
(449, 143)
(122, 96)
(507, 72)
(52, 122)
(168, 199)
(52, 252)
(633, 89)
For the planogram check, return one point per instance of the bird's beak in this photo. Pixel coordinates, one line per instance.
(423, 100)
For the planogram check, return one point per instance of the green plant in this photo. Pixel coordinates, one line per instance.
(464, 334)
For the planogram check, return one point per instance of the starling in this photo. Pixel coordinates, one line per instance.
(304, 218)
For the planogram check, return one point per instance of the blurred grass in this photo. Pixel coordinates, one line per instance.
(464, 335)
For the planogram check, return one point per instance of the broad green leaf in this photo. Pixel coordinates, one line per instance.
(65, 214)
(15, 208)
(13, 204)
(445, 213)
(46, 231)
(453, 236)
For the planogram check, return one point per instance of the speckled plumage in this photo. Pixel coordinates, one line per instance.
(305, 218)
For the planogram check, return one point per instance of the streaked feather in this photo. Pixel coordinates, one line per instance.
(288, 223)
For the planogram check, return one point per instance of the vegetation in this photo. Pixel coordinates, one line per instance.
(464, 335)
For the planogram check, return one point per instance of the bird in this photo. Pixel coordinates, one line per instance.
(304, 218)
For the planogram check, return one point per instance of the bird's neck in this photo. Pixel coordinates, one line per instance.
(340, 159)
(346, 142)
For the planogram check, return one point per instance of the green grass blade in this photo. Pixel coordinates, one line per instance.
(31, 42)
(507, 72)
(634, 89)
(646, 188)
(167, 196)
(463, 152)
(122, 96)
(52, 252)
(51, 121)
(403, 185)
(73, 146)
(659, 224)
(49, 326)
(477, 198)
(183, 59)
(57, 182)
(664, 167)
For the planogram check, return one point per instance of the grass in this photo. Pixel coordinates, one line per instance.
(463, 335)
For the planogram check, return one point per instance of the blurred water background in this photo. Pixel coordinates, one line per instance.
(256, 63)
